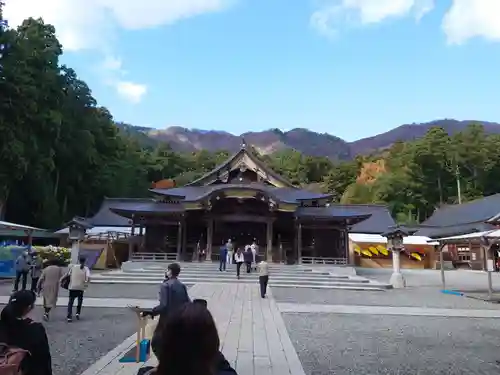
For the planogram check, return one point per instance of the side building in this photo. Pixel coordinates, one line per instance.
(245, 201)
(460, 227)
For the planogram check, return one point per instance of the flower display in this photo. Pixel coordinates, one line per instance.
(51, 253)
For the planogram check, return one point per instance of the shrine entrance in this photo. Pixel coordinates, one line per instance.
(241, 233)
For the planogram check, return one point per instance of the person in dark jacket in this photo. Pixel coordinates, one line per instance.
(190, 344)
(248, 256)
(18, 331)
(173, 294)
(22, 266)
(222, 258)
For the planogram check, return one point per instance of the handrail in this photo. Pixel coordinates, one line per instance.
(155, 257)
(323, 260)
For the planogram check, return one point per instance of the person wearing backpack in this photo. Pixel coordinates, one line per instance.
(24, 348)
(79, 277)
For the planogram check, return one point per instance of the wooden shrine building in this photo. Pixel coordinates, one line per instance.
(242, 199)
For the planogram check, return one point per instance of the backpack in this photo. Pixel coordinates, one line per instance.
(11, 359)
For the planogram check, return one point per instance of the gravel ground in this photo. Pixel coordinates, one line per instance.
(142, 291)
(76, 346)
(411, 297)
(342, 344)
(456, 279)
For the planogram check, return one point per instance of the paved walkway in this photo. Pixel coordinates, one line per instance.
(252, 332)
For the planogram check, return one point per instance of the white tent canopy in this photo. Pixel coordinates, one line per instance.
(471, 236)
(376, 238)
(12, 226)
(98, 231)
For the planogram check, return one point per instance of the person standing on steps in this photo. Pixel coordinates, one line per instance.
(263, 277)
(22, 267)
(222, 258)
(48, 286)
(230, 251)
(36, 270)
(248, 257)
(239, 258)
(78, 282)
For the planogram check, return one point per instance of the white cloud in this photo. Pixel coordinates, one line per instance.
(113, 74)
(468, 19)
(87, 24)
(133, 92)
(92, 24)
(465, 19)
(328, 19)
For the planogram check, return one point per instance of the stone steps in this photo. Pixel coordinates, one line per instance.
(294, 276)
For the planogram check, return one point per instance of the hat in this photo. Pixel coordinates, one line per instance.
(23, 298)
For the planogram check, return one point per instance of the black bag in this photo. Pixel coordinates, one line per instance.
(65, 280)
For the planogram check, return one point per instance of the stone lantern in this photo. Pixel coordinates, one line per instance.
(77, 230)
(395, 236)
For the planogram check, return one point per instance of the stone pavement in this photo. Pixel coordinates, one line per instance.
(253, 334)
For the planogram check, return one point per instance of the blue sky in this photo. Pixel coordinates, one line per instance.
(352, 68)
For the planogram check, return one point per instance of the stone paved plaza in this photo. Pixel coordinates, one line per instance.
(295, 331)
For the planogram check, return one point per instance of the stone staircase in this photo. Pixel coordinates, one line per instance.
(288, 276)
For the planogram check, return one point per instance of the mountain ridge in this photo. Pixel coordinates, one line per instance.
(306, 141)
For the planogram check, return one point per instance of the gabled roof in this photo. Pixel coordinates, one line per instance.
(251, 161)
(463, 218)
(283, 194)
(107, 218)
(351, 216)
(379, 221)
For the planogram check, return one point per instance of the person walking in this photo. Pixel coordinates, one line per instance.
(48, 286)
(263, 277)
(22, 267)
(24, 341)
(248, 257)
(79, 277)
(173, 295)
(239, 259)
(230, 251)
(222, 258)
(36, 270)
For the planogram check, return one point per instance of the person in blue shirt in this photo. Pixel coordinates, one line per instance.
(222, 258)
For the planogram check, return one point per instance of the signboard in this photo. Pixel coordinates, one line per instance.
(490, 265)
(8, 256)
(91, 256)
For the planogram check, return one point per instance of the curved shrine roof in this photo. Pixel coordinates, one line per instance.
(285, 195)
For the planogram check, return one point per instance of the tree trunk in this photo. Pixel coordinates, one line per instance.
(440, 188)
(56, 183)
(3, 203)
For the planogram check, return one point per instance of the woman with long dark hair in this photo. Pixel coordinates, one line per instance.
(189, 344)
(23, 340)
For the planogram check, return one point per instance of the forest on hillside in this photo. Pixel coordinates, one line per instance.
(61, 153)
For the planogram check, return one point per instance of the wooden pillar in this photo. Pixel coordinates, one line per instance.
(131, 239)
(179, 241)
(299, 243)
(269, 240)
(184, 240)
(210, 234)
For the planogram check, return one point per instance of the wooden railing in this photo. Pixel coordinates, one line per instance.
(154, 257)
(324, 260)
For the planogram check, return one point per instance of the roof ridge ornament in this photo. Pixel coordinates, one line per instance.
(243, 143)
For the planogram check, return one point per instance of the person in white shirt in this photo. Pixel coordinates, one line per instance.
(255, 251)
(239, 259)
(230, 251)
(79, 279)
(263, 277)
